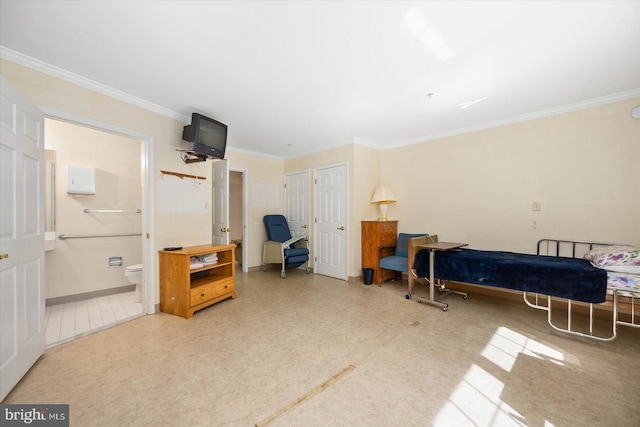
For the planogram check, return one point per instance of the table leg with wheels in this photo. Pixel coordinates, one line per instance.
(432, 284)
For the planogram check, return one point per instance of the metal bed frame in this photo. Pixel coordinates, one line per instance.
(559, 247)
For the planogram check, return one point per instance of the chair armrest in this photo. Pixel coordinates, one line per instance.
(294, 240)
(273, 252)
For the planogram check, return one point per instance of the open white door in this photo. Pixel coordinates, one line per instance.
(22, 165)
(220, 202)
(296, 205)
(296, 202)
(331, 221)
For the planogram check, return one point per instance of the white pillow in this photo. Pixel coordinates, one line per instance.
(618, 258)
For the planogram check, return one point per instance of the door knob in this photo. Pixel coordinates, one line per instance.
(225, 230)
(303, 226)
(3, 256)
(341, 228)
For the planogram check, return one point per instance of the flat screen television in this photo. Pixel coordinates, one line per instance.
(206, 136)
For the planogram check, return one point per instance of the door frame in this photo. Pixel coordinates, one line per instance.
(148, 254)
(245, 216)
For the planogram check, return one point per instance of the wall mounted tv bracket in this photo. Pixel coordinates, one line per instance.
(192, 157)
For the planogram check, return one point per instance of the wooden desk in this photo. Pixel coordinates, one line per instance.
(433, 248)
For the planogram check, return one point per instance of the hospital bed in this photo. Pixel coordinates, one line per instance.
(570, 270)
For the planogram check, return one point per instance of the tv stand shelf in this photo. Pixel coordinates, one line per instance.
(184, 291)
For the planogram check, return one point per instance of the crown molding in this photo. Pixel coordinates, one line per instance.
(253, 153)
(43, 67)
(608, 99)
(52, 70)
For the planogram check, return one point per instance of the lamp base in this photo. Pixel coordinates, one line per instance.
(383, 211)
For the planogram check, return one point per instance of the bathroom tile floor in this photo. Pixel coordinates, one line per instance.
(66, 322)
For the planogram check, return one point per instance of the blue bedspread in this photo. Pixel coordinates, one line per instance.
(570, 278)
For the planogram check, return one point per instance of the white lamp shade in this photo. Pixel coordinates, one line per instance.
(383, 195)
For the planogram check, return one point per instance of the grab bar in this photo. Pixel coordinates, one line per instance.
(91, 236)
(112, 211)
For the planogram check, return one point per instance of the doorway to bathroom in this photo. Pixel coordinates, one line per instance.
(95, 223)
(237, 215)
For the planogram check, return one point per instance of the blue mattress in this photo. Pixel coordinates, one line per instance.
(570, 278)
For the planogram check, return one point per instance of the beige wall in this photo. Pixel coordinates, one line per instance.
(263, 173)
(479, 187)
(81, 265)
(366, 177)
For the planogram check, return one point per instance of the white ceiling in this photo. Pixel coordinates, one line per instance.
(290, 78)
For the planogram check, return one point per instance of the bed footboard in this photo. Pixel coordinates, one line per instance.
(577, 249)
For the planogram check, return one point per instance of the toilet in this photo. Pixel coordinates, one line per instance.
(134, 274)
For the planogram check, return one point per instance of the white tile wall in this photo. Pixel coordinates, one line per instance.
(66, 322)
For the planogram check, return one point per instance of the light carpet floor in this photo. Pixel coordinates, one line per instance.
(314, 351)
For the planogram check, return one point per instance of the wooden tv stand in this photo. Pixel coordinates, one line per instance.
(184, 291)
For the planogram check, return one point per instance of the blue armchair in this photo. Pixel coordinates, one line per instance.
(399, 261)
(281, 248)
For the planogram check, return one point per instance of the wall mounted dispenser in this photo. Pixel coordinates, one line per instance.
(81, 180)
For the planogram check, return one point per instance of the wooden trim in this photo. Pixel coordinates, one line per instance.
(182, 175)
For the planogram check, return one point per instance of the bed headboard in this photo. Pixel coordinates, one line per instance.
(568, 248)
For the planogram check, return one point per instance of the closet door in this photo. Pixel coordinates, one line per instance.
(331, 223)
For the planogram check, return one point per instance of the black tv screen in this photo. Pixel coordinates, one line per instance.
(206, 136)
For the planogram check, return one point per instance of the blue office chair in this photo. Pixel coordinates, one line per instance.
(281, 248)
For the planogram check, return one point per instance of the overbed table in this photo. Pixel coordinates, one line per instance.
(433, 248)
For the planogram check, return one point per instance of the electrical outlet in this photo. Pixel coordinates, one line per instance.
(536, 206)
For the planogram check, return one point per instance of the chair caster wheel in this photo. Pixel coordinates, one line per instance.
(283, 274)
(263, 268)
(465, 297)
(408, 296)
(444, 308)
(307, 270)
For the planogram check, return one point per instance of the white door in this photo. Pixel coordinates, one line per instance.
(296, 202)
(22, 166)
(220, 202)
(331, 222)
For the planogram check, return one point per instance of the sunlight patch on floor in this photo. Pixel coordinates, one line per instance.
(505, 346)
(476, 399)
